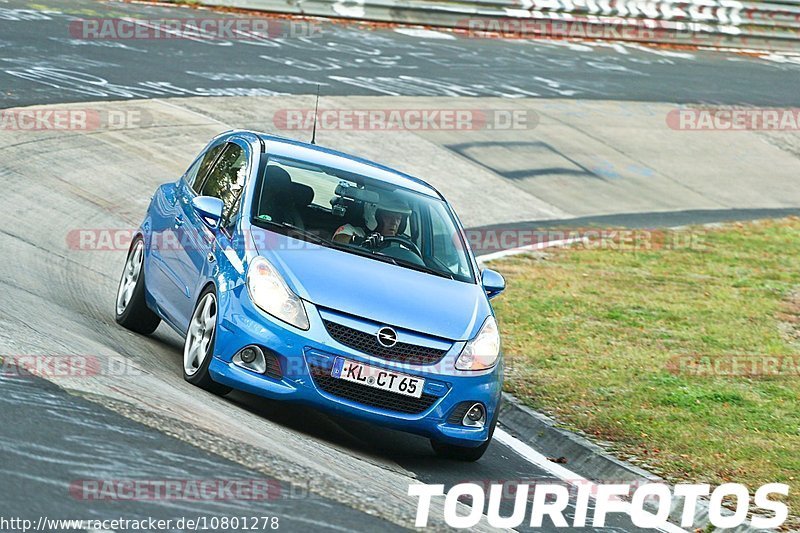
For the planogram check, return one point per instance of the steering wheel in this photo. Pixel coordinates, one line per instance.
(405, 242)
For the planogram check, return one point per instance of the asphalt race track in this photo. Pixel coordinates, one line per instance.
(332, 474)
(45, 62)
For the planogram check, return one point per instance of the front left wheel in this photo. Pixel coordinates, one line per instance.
(131, 309)
(464, 453)
(199, 346)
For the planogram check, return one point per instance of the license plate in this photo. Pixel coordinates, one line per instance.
(377, 378)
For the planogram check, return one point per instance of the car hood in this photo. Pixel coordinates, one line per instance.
(378, 291)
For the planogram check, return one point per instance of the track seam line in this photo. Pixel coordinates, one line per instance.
(192, 111)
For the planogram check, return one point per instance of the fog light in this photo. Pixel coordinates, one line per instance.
(251, 358)
(475, 417)
(249, 355)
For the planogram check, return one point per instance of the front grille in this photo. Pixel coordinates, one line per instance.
(391, 401)
(368, 343)
(457, 415)
(273, 366)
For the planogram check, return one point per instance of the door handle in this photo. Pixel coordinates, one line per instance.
(211, 257)
(178, 221)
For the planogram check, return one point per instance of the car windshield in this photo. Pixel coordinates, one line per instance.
(361, 215)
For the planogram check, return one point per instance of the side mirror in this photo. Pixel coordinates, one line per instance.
(209, 209)
(493, 282)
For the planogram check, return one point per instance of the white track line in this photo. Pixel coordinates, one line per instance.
(562, 473)
(530, 248)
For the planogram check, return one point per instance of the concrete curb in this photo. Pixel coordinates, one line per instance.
(586, 458)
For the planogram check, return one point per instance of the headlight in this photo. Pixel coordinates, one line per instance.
(481, 352)
(269, 292)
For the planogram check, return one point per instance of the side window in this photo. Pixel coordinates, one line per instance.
(226, 181)
(191, 174)
(199, 170)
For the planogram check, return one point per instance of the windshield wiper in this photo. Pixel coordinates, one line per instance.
(358, 250)
(364, 252)
(416, 266)
(305, 233)
(290, 228)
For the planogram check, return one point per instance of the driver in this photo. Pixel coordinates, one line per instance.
(390, 217)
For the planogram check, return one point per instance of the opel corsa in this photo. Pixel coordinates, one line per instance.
(299, 273)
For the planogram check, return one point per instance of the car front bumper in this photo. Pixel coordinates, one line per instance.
(306, 358)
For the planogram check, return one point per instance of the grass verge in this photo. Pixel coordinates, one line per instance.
(683, 356)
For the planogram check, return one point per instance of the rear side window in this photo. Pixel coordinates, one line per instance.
(198, 172)
(226, 181)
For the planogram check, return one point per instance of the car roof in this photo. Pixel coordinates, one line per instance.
(315, 154)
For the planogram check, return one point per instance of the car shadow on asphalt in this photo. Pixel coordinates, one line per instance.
(353, 436)
(364, 439)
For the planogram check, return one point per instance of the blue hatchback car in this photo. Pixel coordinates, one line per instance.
(300, 273)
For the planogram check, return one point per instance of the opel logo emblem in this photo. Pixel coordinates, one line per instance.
(387, 337)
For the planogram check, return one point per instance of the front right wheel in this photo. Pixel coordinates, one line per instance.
(199, 346)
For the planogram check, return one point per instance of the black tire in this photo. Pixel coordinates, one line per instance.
(201, 377)
(135, 315)
(465, 453)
